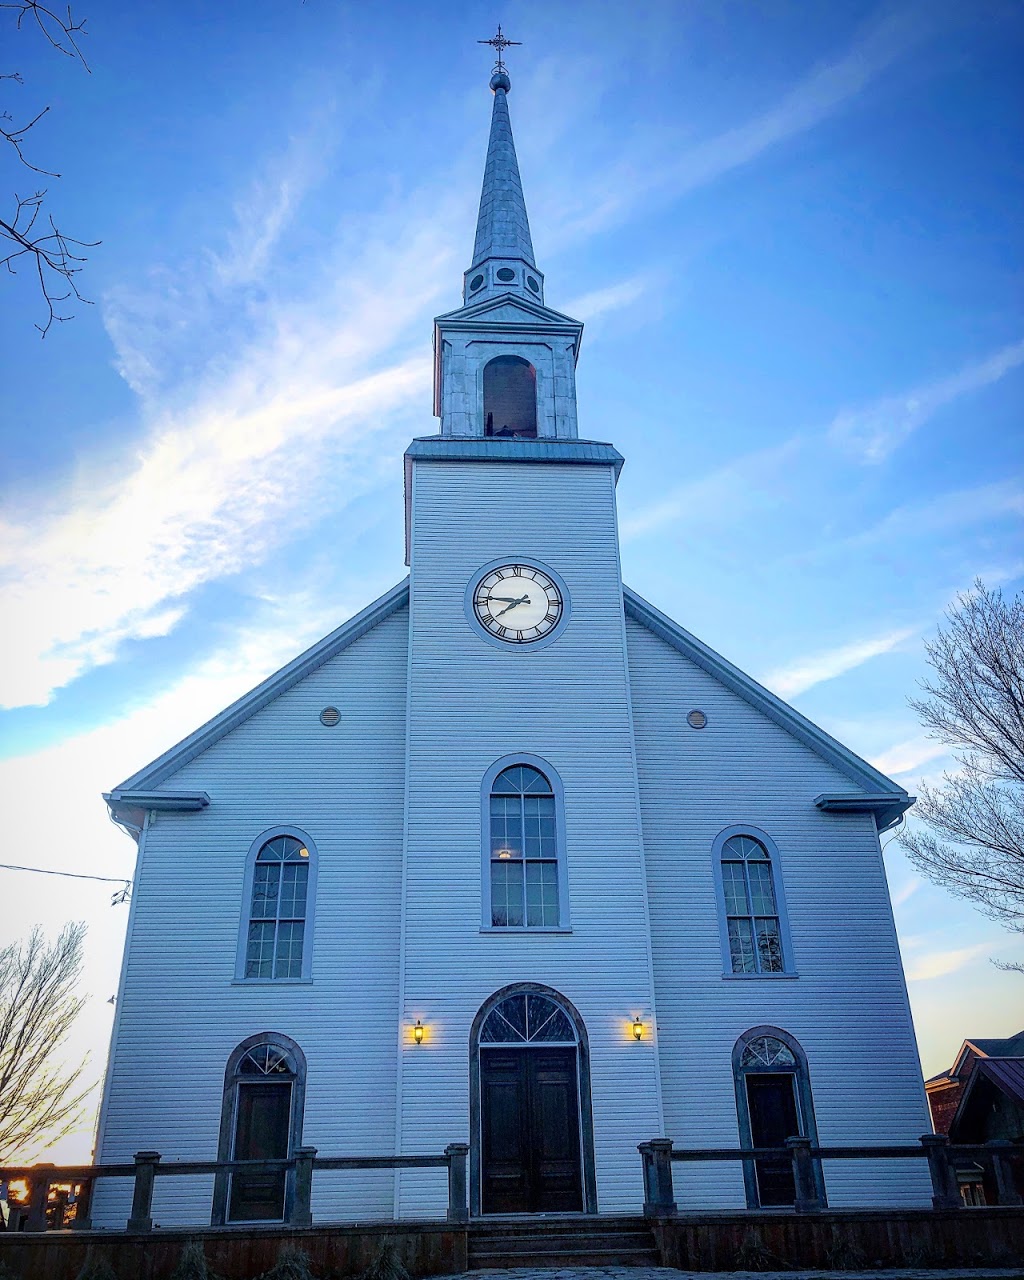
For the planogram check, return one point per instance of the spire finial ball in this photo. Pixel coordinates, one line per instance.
(500, 80)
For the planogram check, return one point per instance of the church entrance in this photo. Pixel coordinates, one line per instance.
(530, 1131)
(532, 1148)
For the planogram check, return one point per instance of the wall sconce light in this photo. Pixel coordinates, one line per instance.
(638, 1029)
(417, 1032)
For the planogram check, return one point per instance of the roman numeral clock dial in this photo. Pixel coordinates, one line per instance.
(517, 603)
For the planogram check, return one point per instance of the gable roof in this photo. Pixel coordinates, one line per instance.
(877, 793)
(1006, 1074)
(256, 699)
(532, 311)
(989, 1047)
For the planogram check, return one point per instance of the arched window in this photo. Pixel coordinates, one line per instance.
(276, 935)
(524, 874)
(510, 397)
(773, 1103)
(261, 1119)
(754, 935)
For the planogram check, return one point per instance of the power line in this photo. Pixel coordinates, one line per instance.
(73, 875)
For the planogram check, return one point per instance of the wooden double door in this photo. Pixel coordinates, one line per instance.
(530, 1130)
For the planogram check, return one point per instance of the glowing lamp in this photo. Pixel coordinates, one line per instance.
(638, 1029)
(417, 1032)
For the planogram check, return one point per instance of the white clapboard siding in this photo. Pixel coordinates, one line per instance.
(181, 1013)
(471, 703)
(848, 1007)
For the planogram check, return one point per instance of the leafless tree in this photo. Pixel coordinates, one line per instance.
(39, 1098)
(975, 702)
(26, 234)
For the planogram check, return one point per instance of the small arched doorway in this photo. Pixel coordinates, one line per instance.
(531, 1122)
(510, 398)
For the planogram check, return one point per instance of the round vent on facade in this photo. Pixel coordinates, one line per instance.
(532, 284)
(696, 719)
(330, 716)
(505, 274)
(475, 283)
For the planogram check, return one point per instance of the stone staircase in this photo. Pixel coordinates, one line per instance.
(570, 1240)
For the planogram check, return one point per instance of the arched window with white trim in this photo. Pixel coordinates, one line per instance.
(524, 879)
(275, 942)
(755, 935)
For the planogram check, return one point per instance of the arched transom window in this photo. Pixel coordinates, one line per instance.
(752, 914)
(277, 913)
(766, 1051)
(524, 850)
(527, 1018)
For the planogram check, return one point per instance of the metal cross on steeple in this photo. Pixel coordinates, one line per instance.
(500, 43)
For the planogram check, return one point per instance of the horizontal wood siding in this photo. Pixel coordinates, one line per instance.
(181, 1013)
(471, 703)
(848, 1007)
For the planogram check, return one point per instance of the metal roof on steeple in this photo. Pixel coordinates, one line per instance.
(502, 227)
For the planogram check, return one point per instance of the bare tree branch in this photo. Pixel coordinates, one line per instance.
(55, 261)
(38, 1005)
(975, 702)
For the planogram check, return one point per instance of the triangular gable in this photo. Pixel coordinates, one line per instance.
(256, 699)
(530, 310)
(877, 792)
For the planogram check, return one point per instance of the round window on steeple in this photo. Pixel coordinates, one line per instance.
(505, 274)
(475, 283)
(532, 284)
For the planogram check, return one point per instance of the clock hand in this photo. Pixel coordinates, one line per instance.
(521, 600)
(504, 599)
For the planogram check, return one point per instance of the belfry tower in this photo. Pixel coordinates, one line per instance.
(505, 364)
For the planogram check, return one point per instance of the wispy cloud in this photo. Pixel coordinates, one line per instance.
(681, 168)
(872, 432)
(805, 673)
(905, 757)
(906, 891)
(600, 302)
(936, 964)
(711, 499)
(272, 431)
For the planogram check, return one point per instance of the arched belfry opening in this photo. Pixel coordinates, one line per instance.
(510, 398)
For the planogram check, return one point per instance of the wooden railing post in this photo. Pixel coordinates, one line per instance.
(1006, 1190)
(656, 1157)
(142, 1197)
(945, 1190)
(83, 1207)
(457, 1153)
(302, 1200)
(807, 1199)
(38, 1193)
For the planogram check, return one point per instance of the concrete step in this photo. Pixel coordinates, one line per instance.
(561, 1241)
(579, 1257)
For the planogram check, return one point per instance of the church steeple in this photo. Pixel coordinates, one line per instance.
(503, 260)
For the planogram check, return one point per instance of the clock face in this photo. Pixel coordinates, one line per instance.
(517, 603)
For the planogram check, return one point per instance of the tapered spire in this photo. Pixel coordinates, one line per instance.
(503, 260)
(502, 227)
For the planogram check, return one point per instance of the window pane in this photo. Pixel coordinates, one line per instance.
(741, 946)
(288, 963)
(506, 827)
(513, 1013)
(535, 782)
(769, 945)
(265, 882)
(506, 893)
(542, 893)
(762, 895)
(293, 891)
(259, 952)
(734, 882)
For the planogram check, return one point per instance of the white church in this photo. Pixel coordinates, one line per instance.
(509, 859)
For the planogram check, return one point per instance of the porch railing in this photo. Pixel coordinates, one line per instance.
(657, 1157)
(147, 1166)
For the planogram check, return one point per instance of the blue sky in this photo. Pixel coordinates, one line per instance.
(791, 230)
